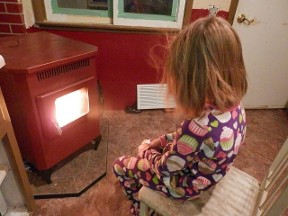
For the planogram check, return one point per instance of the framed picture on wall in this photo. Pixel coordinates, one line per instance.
(149, 13)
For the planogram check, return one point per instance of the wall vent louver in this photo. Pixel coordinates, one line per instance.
(62, 69)
(153, 96)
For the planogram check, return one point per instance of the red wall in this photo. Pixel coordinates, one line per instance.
(197, 13)
(123, 59)
(122, 62)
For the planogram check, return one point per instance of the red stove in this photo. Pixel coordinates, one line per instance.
(50, 87)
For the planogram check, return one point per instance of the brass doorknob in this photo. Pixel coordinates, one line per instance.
(242, 18)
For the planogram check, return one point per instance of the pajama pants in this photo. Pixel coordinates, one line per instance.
(133, 173)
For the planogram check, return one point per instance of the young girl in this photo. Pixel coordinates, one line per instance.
(205, 73)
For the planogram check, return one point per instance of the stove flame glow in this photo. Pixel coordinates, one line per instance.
(71, 106)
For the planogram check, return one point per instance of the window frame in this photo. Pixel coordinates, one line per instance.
(71, 15)
(42, 21)
(175, 20)
(73, 11)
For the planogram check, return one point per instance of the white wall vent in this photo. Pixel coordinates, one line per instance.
(153, 96)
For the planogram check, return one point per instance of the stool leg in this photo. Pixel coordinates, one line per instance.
(143, 209)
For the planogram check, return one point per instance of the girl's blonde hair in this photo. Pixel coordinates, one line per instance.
(205, 63)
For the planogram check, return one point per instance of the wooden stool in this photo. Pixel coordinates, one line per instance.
(237, 194)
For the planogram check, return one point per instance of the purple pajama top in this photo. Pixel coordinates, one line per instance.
(198, 154)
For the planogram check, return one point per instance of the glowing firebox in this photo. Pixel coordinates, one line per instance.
(71, 106)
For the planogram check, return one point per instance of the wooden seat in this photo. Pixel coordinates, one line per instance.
(237, 194)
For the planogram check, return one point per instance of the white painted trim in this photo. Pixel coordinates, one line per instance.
(28, 13)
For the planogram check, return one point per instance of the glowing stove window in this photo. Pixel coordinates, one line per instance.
(71, 106)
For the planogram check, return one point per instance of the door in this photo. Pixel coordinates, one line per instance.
(265, 50)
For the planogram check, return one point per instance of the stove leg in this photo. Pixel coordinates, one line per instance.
(96, 142)
(46, 175)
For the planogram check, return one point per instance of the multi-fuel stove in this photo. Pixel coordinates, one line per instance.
(50, 87)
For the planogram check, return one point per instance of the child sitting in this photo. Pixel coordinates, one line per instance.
(206, 75)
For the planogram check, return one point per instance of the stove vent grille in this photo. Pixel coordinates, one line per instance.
(153, 96)
(62, 69)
